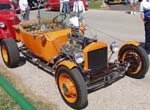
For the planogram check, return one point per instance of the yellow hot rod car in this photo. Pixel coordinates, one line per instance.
(79, 64)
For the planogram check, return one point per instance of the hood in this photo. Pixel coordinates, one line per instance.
(7, 14)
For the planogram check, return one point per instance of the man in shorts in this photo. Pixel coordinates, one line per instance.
(133, 5)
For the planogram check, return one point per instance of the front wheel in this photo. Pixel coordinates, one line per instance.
(137, 58)
(72, 87)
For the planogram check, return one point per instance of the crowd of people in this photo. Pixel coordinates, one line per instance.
(78, 8)
(76, 15)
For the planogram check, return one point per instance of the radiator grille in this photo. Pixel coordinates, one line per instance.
(97, 59)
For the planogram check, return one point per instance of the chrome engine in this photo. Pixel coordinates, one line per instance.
(72, 46)
(76, 44)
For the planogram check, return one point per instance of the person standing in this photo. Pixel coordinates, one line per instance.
(24, 9)
(133, 6)
(78, 9)
(74, 21)
(61, 6)
(66, 6)
(145, 16)
(76, 27)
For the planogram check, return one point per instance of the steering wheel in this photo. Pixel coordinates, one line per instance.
(59, 18)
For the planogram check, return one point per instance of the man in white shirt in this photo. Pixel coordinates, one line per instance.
(24, 9)
(76, 26)
(74, 22)
(78, 8)
(145, 16)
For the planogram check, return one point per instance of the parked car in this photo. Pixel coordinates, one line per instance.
(34, 3)
(117, 1)
(8, 18)
(55, 4)
(79, 64)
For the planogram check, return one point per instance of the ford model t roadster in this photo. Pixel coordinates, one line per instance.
(79, 64)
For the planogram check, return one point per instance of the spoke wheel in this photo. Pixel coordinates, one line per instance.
(134, 60)
(137, 58)
(72, 87)
(67, 88)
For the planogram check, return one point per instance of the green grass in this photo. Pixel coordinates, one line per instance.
(94, 4)
(6, 102)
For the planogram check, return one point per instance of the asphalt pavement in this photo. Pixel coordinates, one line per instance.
(107, 26)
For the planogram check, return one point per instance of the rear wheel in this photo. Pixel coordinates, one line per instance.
(137, 58)
(72, 87)
(10, 53)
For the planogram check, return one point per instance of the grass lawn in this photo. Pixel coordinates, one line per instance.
(6, 102)
(94, 4)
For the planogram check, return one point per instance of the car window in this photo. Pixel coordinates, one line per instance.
(6, 6)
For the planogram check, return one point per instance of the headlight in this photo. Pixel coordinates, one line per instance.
(114, 47)
(79, 57)
(2, 25)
